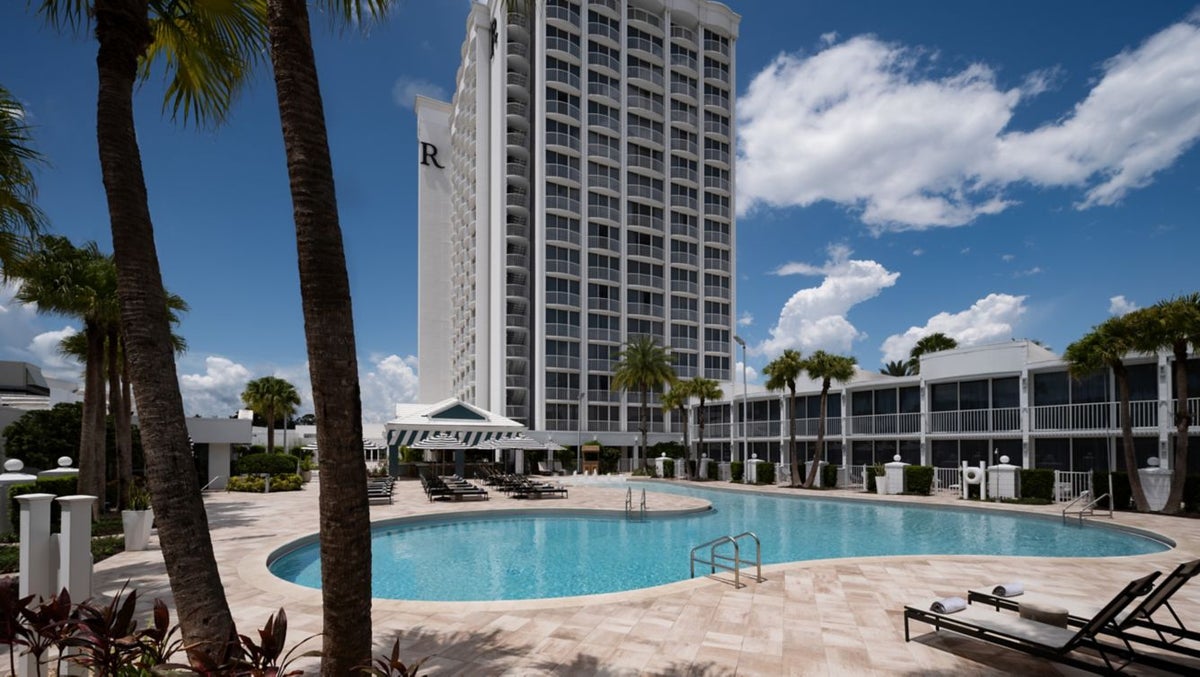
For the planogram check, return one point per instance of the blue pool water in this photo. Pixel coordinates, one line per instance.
(537, 556)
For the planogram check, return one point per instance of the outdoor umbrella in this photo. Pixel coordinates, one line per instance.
(438, 441)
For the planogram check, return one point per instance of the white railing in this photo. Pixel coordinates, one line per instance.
(1095, 416)
(855, 477)
(783, 473)
(886, 424)
(975, 420)
(1193, 411)
(946, 480)
(1068, 485)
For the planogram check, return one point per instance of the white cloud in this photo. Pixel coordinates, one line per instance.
(1028, 272)
(218, 391)
(1007, 258)
(987, 320)
(745, 319)
(862, 123)
(44, 351)
(1119, 305)
(23, 336)
(391, 379)
(406, 89)
(815, 318)
(918, 251)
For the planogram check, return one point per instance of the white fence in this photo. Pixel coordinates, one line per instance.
(855, 477)
(1069, 485)
(946, 480)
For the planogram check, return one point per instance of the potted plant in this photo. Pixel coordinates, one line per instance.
(137, 518)
(877, 471)
(306, 468)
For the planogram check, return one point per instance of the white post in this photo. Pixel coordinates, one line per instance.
(34, 566)
(962, 480)
(983, 480)
(75, 546)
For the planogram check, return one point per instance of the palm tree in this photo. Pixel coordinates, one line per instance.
(643, 365)
(271, 397)
(781, 373)
(205, 48)
(329, 329)
(933, 343)
(677, 398)
(703, 389)
(897, 368)
(64, 279)
(1105, 347)
(826, 368)
(20, 218)
(1173, 324)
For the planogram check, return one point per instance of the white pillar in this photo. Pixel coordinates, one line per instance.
(75, 546)
(34, 567)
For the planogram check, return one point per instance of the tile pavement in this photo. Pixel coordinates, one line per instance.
(830, 617)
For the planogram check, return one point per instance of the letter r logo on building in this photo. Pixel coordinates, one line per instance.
(429, 155)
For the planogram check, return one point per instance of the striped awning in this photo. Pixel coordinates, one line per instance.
(465, 439)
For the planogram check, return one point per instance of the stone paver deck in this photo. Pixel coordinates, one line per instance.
(827, 617)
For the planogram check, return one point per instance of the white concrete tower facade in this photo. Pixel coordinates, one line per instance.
(591, 201)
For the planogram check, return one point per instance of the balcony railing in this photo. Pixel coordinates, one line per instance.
(1093, 416)
(975, 420)
(886, 424)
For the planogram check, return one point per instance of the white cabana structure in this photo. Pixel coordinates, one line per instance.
(470, 426)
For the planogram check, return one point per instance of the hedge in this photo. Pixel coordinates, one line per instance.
(1122, 493)
(766, 473)
(918, 479)
(669, 468)
(713, 469)
(59, 486)
(1037, 483)
(255, 484)
(829, 475)
(873, 471)
(736, 471)
(274, 464)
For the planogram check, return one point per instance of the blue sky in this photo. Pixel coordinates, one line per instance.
(991, 170)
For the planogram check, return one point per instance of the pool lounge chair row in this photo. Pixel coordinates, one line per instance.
(1116, 632)
(451, 488)
(379, 489)
(521, 486)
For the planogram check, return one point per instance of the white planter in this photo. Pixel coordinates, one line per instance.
(137, 525)
(881, 485)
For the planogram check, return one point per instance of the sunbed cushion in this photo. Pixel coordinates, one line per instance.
(1012, 625)
(1044, 613)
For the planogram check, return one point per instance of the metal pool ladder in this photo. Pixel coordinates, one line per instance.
(725, 562)
(629, 505)
(1088, 509)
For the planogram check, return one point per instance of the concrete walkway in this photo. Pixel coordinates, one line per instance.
(829, 617)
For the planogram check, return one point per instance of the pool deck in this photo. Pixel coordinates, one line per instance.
(825, 617)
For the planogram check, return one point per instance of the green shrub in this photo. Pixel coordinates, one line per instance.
(873, 471)
(829, 476)
(736, 470)
(766, 473)
(1122, 494)
(59, 486)
(669, 467)
(1191, 493)
(410, 455)
(918, 479)
(273, 464)
(288, 482)
(250, 483)
(713, 469)
(1037, 483)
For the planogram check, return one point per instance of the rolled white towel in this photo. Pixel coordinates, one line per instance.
(1009, 589)
(948, 605)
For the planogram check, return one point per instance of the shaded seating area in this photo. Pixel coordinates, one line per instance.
(451, 488)
(379, 489)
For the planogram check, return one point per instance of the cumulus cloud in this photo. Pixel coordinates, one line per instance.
(815, 318)
(1119, 305)
(216, 392)
(406, 89)
(751, 376)
(44, 351)
(391, 379)
(745, 319)
(23, 336)
(988, 320)
(1028, 272)
(862, 123)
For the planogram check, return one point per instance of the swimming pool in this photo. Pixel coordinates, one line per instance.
(531, 556)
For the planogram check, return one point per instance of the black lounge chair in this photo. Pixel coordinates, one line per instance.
(1043, 640)
(437, 488)
(529, 489)
(379, 489)
(1166, 635)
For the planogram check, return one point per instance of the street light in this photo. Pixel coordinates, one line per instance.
(742, 343)
(579, 438)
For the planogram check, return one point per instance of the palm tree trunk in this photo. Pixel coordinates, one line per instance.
(1183, 420)
(642, 426)
(112, 366)
(1135, 480)
(270, 416)
(700, 425)
(91, 434)
(819, 452)
(122, 29)
(329, 333)
(793, 453)
(123, 424)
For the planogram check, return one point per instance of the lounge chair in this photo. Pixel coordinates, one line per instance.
(1041, 639)
(1166, 635)
(530, 489)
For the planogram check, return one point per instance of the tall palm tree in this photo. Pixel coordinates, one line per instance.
(205, 47)
(20, 219)
(703, 389)
(271, 397)
(933, 343)
(826, 368)
(643, 365)
(328, 328)
(677, 398)
(1174, 324)
(781, 373)
(897, 368)
(68, 280)
(1105, 347)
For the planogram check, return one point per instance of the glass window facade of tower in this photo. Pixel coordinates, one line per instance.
(591, 202)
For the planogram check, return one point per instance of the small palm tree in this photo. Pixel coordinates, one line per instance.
(781, 373)
(271, 397)
(1105, 347)
(897, 368)
(677, 398)
(20, 218)
(1173, 324)
(826, 368)
(933, 343)
(645, 366)
(703, 389)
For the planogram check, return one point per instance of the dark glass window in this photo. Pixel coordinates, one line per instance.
(885, 401)
(1143, 382)
(1091, 388)
(1054, 452)
(861, 453)
(943, 396)
(860, 403)
(974, 451)
(910, 451)
(1050, 388)
(973, 395)
(1089, 453)
(1009, 448)
(945, 453)
(1004, 393)
(910, 400)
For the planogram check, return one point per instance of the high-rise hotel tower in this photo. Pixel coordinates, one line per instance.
(578, 192)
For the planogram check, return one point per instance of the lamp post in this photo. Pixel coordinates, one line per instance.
(579, 437)
(741, 342)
